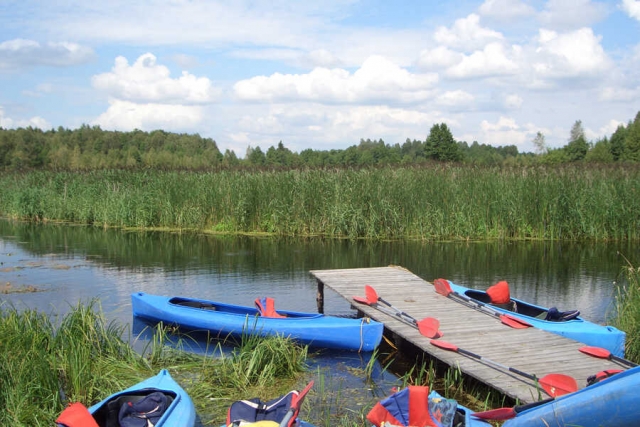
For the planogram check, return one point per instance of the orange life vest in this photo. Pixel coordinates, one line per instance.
(266, 307)
(76, 415)
(499, 293)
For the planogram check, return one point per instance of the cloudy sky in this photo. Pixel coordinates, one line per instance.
(323, 75)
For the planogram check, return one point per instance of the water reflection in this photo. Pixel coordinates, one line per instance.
(72, 263)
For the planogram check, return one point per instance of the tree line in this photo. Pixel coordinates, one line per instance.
(90, 148)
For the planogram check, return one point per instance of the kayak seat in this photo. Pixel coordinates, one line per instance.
(266, 307)
(107, 414)
(192, 303)
(483, 297)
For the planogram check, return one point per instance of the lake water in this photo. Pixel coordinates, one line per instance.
(72, 263)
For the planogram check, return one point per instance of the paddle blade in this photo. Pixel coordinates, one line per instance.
(429, 327)
(514, 322)
(444, 345)
(442, 287)
(361, 300)
(558, 384)
(600, 352)
(372, 295)
(496, 414)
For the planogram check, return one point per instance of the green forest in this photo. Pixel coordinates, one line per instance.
(91, 148)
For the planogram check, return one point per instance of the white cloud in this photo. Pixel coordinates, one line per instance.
(437, 58)
(314, 125)
(377, 80)
(621, 94)
(17, 54)
(605, 130)
(147, 81)
(126, 116)
(513, 101)
(466, 34)
(35, 122)
(504, 132)
(573, 54)
(491, 61)
(505, 10)
(571, 14)
(631, 8)
(457, 99)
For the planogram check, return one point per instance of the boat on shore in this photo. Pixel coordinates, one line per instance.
(225, 320)
(158, 401)
(572, 326)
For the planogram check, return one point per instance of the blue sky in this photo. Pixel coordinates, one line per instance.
(323, 75)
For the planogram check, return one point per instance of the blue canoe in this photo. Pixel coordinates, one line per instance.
(613, 402)
(577, 329)
(223, 320)
(180, 413)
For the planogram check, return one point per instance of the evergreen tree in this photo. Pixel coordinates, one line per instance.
(441, 146)
(578, 146)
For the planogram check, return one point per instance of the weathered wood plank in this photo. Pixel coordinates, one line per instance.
(530, 350)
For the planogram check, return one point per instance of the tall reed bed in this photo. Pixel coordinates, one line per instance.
(628, 312)
(435, 202)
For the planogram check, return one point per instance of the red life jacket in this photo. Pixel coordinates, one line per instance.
(266, 307)
(499, 293)
(411, 405)
(76, 415)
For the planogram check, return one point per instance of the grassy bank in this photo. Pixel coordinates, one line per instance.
(436, 202)
(43, 366)
(628, 312)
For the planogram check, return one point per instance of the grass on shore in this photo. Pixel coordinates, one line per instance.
(45, 365)
(628, 311)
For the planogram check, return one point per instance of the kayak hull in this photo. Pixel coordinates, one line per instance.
(180, 413)
(577, 329)
(224, 320)
(614, 402)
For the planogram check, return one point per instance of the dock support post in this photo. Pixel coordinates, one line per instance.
(320, 297)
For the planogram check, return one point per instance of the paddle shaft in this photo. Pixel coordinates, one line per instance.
(398, 311)
(478, 305)
(492, 362)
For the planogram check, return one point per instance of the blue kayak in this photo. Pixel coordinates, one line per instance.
(577, 329)
(613, 402)
(223, 320)
(179, 412)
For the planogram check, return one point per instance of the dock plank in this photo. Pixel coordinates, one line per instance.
(530, 350)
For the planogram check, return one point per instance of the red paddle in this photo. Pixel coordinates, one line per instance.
(427, 326)
(508, 413)
(443, 288)
(296, 403)
(603, 353)
(553, 384)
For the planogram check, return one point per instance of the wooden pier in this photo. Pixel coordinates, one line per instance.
(529, 350)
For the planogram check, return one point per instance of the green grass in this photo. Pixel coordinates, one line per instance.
(628, 312)
(44, 365)
(435, 202)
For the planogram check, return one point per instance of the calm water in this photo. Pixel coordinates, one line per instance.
(72, 263)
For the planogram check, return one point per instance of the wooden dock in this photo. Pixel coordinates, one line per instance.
(529, 350)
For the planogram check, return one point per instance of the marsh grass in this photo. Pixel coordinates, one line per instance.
(435, 202)
(46, 364)
(628, 311)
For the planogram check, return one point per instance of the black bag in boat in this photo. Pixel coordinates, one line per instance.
(144, 412)
(254, 410)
